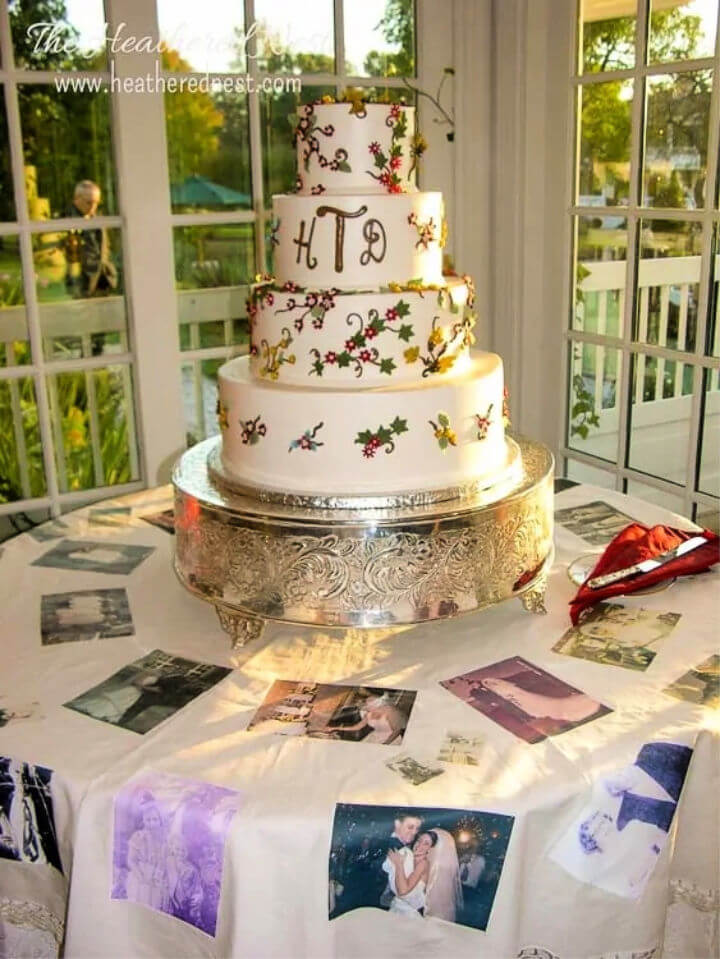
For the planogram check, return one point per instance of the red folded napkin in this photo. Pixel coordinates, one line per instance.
(633, 545)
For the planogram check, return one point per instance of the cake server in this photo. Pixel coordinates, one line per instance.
(647, 565)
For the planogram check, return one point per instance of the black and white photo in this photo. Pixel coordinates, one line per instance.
(27, 814)
(597, 522)
(87, 556)
(85, 614)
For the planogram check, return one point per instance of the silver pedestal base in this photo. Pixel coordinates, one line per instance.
(259, 560)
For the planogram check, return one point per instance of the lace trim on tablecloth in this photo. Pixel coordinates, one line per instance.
(704, 900)
(538, 952)
(31, 915)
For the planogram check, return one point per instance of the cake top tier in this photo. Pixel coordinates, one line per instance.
(356, 147)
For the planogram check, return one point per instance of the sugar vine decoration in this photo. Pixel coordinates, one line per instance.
(253, 431)
(388, 165)
(315, 303)
(425, 230)
(438, 359)
(443, 432)
(274, 230)
(358, 351)
(506, 408)
(373, 440)
(222, 414)
(307, 131)
(483, 421)
(273, 357)
(307, 441)
(260, 295)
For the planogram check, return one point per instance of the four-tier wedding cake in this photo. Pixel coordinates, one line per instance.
(360, 379)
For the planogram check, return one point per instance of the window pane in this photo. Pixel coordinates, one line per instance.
(77, 41)
(713, 338)
(676, 140)
(587, 474)
(7, 200)
(22, 474)
(661, 403)
(657, 496)
(600, 268)
(604, 162)
(379, 38)
(66, 142)
(199, 381)
(80, 291)
(14, 344)
(682, 31)
(202, 38)
(94, 427)
(213, 267)
(608, 36)
(295, 36)
(709, 480)
(668, 283)
(208, 151)
(278, 153)
(593, 401)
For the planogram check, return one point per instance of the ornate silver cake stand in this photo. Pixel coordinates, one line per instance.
(260, 556)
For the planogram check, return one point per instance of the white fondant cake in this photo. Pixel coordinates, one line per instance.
(360, 379)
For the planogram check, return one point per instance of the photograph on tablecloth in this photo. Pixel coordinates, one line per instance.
(110, 516)
(54, 529)
(616, 635)
(12, 712)
(366, 714)
(597, 523)
(169, 844)
(27, 816)
(414, 770)
(700, 685)
(163, 520)
(417, 862)
(147, 691)
(461, 749)
(525, 699)
(615, 842)
(91, 557)
(85, 614)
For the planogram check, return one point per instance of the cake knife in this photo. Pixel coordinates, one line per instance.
(647, 565)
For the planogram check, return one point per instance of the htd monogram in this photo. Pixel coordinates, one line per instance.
(373, 234)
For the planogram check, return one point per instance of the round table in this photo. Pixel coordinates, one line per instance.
(201, 836)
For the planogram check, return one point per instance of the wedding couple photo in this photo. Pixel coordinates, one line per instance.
(417, 863)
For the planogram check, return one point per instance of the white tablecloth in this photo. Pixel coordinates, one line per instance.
(274, 896)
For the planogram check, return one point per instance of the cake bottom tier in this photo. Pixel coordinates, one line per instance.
(427, 436)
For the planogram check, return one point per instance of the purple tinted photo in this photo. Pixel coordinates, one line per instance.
(169, 843)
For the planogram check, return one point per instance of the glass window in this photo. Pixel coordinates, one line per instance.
(94, 427)
(7, 200)
(582, 473)
(202, 38)
(208, 151)
(14, 344)
(682, 31)
(676, 140)
(709, 478)
(608, 36)
(22, 473)
(68, 152)
(379, 38)
(199, 384)
(297, 37)
(713, 338)
(668, 283)
(600, 270)
(604, 162)
(75, 42)
(650, 494)
(593, 400)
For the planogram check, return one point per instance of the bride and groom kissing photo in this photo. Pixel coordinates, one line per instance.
(417, 863)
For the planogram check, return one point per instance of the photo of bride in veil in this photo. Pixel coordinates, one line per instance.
(414, 862)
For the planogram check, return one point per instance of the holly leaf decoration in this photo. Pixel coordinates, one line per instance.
(402, 308)
(387, 365)
(399, 426)
(317, 367)
(405, 332)
(384, 434)
(343, 359)
(380, 160)
(411, 354)
(364, 437)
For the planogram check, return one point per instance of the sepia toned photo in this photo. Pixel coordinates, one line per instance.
(525, 699)
(146, 692)
(322, 711)
(163, 520)
(615, 842)
(597, 523)
(169, 845)
(417, 863)
(700, 685)
(92, 557)
(461, 749)
(53, 529)
(109, 516)
(414, 771)
(615, 635)
(86, 614)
